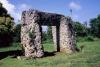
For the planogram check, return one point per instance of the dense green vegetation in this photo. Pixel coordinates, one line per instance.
(6, 27)
(95, 26)
(80, 29)
(88, 57)
(17, 30)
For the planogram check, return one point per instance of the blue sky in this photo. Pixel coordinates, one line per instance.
(82, 10)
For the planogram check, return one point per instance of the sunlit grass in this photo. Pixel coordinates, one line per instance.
(88, 57)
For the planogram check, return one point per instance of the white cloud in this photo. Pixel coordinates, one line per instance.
(73, 5)
(10, 7)
(19, 10)
(15, 11)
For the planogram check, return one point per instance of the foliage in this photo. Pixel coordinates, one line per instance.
(6, 27)
(44, 36)
(80, 29)
(47, 36)
(17, 32)
(86, 38)
(49, 33)
(3, 11)
(89, 38)
(95, 26)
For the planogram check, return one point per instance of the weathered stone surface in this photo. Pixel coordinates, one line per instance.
(54, 37)
(62, 30)
(67, 38)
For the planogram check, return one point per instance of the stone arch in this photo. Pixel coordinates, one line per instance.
(62, 30)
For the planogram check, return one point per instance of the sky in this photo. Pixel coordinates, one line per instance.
(82, 10)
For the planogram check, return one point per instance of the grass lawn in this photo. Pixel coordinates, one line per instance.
(88, 57)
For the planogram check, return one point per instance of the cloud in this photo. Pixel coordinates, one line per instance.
(73, 5)
(19, 10)
(14, 10)
(10, 7)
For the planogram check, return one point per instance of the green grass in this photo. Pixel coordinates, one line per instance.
(15, 46)
(88, 57)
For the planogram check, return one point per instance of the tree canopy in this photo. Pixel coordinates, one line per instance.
(95, 26)
(80, 29)
(6, 26)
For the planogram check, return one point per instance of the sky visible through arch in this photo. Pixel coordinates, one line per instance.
(82, 10)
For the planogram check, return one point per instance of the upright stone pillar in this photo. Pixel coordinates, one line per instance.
(67, 38)
(54, 37)
(31, 35)
(62, 30)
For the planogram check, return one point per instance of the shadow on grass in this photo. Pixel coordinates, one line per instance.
(13, 53)
(47, 54)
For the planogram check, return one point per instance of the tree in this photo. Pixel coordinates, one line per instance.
(3, 11)
(6, 27)
(17, 32)
(80, 29)
(95, 26)
(49, 33)
(44, 36)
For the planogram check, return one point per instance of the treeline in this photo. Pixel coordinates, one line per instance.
(93, 29)
(83, 31)
(88, 31)
(9, 32)
(6, 27)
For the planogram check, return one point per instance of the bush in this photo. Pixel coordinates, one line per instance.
(89, 38)
(82, 39)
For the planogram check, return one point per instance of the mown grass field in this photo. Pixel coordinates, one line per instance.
(88, 57)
